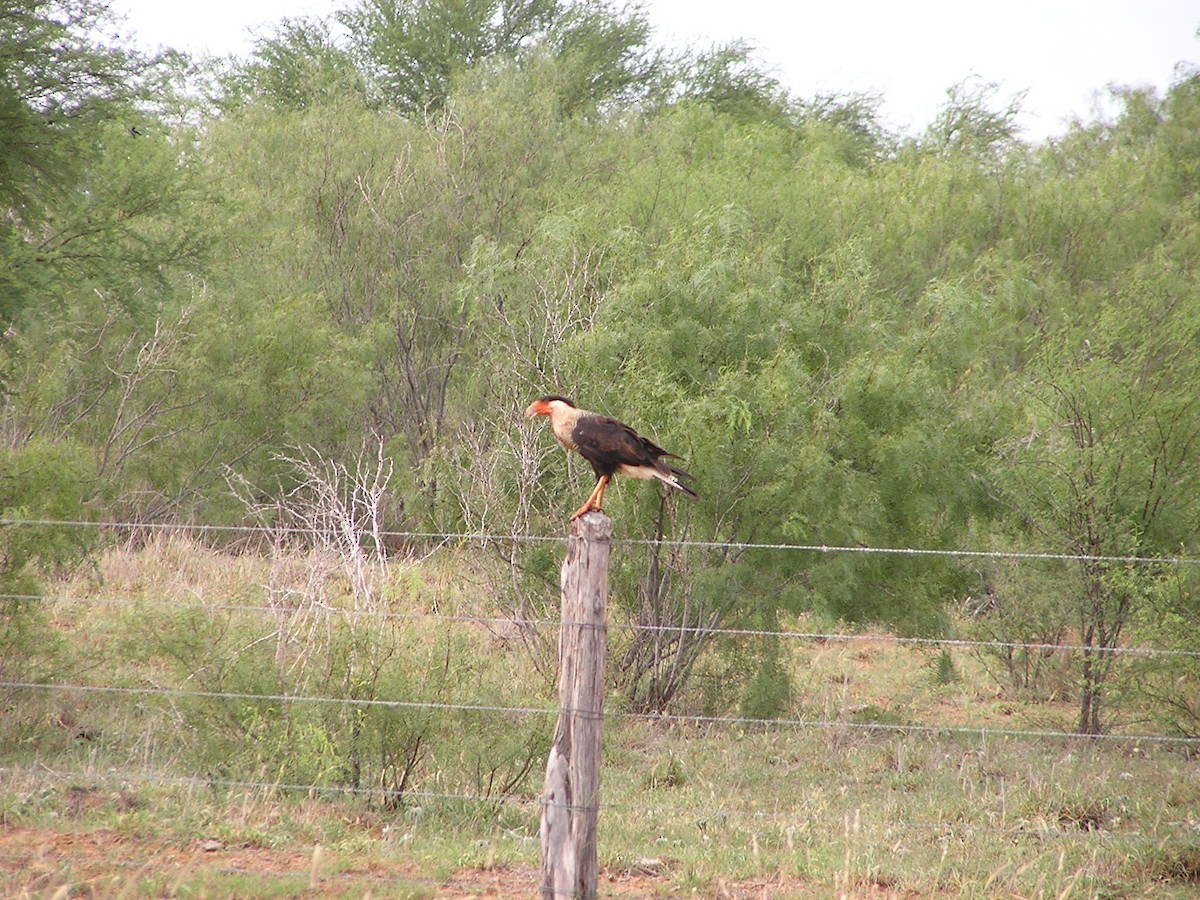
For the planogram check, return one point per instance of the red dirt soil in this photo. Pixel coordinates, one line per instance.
(103, 863)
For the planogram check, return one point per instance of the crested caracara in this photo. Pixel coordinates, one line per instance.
(610, 446)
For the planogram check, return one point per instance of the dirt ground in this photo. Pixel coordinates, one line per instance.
(43, 863)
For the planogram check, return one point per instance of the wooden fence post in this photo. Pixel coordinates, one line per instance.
(571, 796)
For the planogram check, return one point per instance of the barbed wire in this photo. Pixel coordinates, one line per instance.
(265, 786)
(982, 732)
(496, 537)
(1021, 829)
(182, 693)
(706, 813)
(490, 622)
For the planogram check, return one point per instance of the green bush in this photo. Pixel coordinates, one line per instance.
(348, 737)
(39, 483)
(769, 694)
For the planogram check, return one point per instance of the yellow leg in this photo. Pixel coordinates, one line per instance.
(600, 486)
(594, 500)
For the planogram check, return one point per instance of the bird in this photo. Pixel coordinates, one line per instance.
(610, 446)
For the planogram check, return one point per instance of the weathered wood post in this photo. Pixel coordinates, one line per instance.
(571, 796)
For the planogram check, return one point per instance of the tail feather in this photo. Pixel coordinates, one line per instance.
(671, 479)
(682, 474)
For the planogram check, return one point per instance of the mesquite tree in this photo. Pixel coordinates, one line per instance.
(1109, 468)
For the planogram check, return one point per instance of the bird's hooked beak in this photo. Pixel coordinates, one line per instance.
(537, 408)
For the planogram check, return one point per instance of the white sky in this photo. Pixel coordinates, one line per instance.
(1064, 53)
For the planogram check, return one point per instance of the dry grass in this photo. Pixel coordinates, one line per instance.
(717, 810)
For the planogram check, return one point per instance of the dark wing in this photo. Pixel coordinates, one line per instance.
(608, 444)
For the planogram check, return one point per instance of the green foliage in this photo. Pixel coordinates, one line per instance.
(1014, 604)
(1168, 618)
(44, 482)
(1109, 470)
(729, 80)
(769, 693)
(944, 670)
(297, 66)
(412, 48)
(850, 122)
(131, 222)
(56, 84)
(31, 652)
(365, 743)
(40, 483)
(65, 99)
(969, 125)
(665, 773)
(407, 229)
(605, 56)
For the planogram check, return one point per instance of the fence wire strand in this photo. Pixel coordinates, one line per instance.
(500, 538)
(662, 718)
(503, 621)
(700, 813)
(448, 539)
